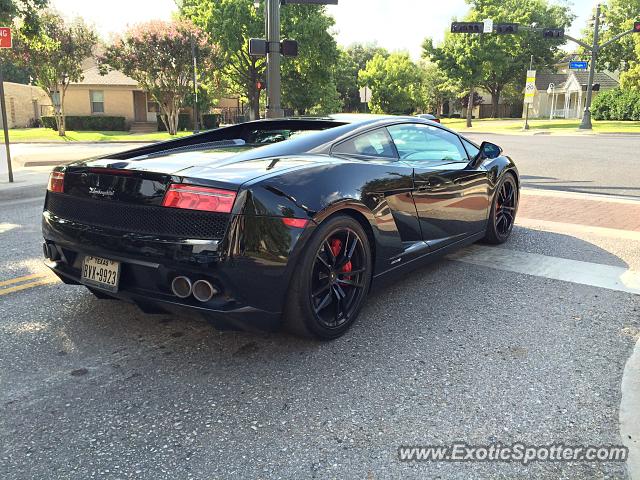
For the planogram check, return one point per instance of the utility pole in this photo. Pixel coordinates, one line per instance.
(274, 109)
(586, 116)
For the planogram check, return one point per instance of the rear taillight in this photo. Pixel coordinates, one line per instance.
(56, 182)
(199, 198)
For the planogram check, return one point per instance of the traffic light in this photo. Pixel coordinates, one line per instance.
(636, 27)
(289, 48)
(467, 27)
(260, 85)
(553, 32)
(506, 28)
(257, 47)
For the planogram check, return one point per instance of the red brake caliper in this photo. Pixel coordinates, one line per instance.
(336, 247)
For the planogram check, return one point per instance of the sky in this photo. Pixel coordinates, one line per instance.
(393, 24)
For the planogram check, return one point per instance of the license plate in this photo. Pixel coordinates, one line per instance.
(101, 273)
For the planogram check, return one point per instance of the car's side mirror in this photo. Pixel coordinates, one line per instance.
(488, 151)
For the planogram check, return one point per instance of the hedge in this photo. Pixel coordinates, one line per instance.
(616, 104)
(184, 123)
(93, 123)
(210, 120)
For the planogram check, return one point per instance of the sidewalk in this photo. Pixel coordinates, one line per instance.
(599, 211)
(28, 183)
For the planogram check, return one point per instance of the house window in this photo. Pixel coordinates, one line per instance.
(152, 107)
(97, 101)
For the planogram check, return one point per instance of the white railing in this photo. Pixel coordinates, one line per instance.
(559, 113)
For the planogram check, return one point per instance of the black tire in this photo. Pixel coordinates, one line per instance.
(504, 207)
(345, 277)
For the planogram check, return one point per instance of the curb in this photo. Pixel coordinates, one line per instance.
(628, 413)
(43, 163)
(27, 192)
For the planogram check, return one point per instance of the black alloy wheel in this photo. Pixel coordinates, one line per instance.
(329, 288)
(503, 211)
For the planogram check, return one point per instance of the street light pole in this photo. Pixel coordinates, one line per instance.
(586, 116)
(274, 109)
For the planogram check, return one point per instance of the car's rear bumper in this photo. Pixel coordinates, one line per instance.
(251, 271)
(224, 314)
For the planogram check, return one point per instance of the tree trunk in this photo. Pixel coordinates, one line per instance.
(470, 107)
(174, 118)
(495, 102)
(255, 103)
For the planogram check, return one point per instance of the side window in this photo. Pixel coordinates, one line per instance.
(371, 144)
(472, 150)
(417, 142)
(97, 101)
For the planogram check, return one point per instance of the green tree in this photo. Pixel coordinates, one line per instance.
(346, 78)
(618, 17)
(351, 60)
(55, 57)
(157, 55)
(462, 58)
(307, 81)
(435, 88)
(24, 11)
(394, 81)
(503, 59)
(230, 24)
(630, 79)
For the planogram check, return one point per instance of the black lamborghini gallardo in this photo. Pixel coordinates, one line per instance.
(288, 221)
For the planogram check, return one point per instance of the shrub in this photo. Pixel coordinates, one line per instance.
(210, 120)
(96, 123)
(184, 123)
(616, 104)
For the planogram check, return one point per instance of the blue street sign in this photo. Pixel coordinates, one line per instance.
(578, 65)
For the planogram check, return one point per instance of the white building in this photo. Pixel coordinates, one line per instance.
(563, 95)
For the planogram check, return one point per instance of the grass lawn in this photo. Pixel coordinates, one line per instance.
(49, 135)
(512, 125)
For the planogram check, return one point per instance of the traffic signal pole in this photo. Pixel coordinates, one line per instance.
(586, 116)
(274, 109)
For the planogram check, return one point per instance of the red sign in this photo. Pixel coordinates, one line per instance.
(5, 37)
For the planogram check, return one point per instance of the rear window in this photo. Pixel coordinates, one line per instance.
(266, 137)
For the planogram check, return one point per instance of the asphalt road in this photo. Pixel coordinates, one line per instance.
(456, 351)
(604, 164)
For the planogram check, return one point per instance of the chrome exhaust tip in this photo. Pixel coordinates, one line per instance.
(203, 291)
(50, 251)
(181, 287)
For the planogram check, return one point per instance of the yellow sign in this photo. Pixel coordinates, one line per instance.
(530, 88)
